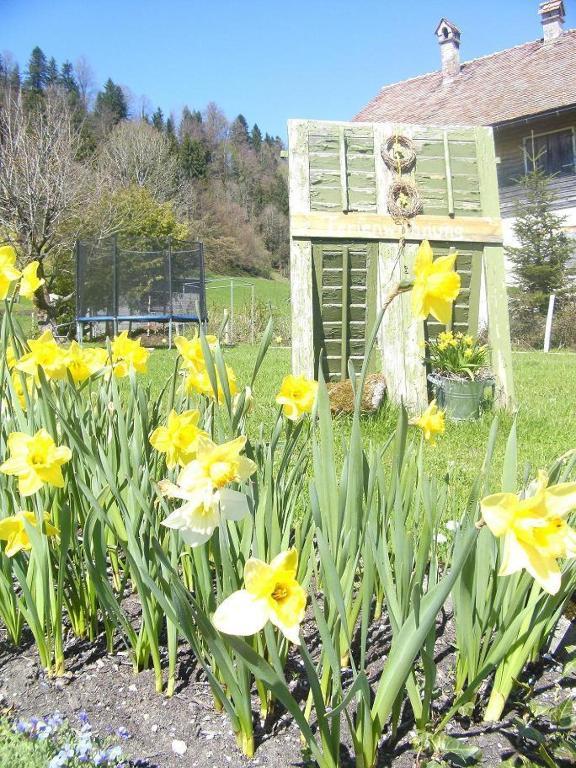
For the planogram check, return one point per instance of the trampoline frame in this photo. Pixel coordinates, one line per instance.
(171, 317)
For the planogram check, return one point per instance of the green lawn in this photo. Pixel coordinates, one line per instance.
(546, 419)
(275, 292)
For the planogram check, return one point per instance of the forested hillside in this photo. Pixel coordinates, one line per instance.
(89, 161)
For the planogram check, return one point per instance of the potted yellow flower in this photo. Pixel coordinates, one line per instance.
(460, 377)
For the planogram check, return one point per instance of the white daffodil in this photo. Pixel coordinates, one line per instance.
(201, 485)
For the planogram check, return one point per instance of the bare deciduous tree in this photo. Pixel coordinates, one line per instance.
(86, 81)
(136, 153)
(42, 186)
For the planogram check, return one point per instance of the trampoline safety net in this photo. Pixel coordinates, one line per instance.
(152, 281)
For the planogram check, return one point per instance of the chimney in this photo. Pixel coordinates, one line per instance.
(448, 36)
(552, 17)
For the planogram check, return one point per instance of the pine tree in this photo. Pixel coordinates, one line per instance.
(239, 131)
(544, 248)
(171, 134)
(37, 71)
(111, 104)
(51, 72)
(158, 119)
(256, 138)
(68, 79)
(194, 158)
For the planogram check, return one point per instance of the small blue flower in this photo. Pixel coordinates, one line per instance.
(83, 717)
(55, 720)
(83, 748)
(61, 759)
(122, 732)
(23, 726)
(114, 753)
(43, 730)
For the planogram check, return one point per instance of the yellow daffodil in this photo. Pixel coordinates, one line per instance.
(35, 460)
(201, 484)
(46, 354)
(128, 356)
(535, 530)
(30, 281)
(436, 285)
(8, 271)
(271, 593)
(197, 380)
(468, 340)
(447, 339)
(191, 350)
(13, 531)
(431, 422)
(83, 362)
(178, 439)
(296, 396)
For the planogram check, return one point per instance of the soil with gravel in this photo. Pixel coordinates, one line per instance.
(105, 687)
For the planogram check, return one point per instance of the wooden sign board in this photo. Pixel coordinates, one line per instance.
(345, 253)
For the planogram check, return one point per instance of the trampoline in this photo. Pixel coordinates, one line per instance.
(118, 280)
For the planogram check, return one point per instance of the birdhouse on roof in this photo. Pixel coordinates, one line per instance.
(448, 31)
(448, 36)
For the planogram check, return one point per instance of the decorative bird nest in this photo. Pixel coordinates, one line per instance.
(399, 153)
(404, 201)
(342, 398)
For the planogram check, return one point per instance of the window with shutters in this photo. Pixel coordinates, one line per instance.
(553, 153)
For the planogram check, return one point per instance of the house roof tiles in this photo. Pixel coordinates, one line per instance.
(525, 80)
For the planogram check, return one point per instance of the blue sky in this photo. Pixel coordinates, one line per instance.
(271, 61)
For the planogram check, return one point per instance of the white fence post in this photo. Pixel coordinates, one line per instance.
(231, 310)
(226, 326)
(253, 317)
(549, 316)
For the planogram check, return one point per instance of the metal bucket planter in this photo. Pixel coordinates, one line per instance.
(462, 399)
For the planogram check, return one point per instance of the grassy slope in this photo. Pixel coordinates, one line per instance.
(546, 416)
(276, 292)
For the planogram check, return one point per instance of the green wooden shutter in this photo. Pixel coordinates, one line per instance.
(469, 267)
(342, 173)
(446, 174)
(345, 295)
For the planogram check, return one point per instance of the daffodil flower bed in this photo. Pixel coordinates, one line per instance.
(108, 494)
